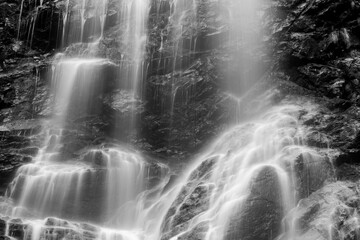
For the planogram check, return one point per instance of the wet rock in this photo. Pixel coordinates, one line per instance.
(23, 91)
(51, 228)
(186, 113)
(340, 129)
(330, 212)
(313, 171)
(317, 139)
(21, 127)
(31, 151)
(5, 238)
(97, 158)
(261, 215)
(17, 229)
(18, 129)
(348, 172)
(156, 174)
(317, 50)
(123, 102)
(2, 227)
(192, 200)
(194, 204)
(197, 233)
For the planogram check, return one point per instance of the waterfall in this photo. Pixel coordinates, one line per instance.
(19, 22)
(245, 183)
(52, 188)
(77, 87)
(90, 23)
(108, 186)
(244, 43)
(134, 19)
(183, 16)
(247, 176)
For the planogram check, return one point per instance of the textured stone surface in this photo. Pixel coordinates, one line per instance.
(315, 55)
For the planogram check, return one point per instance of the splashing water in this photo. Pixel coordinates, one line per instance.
(250, 167)
(101, 180)
(254, 165)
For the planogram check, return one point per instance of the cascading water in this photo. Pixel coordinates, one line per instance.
(90, 18)
(134, 18)
(245, 39)
(249, 172)
(52, 188)
(182, 19)
(112, 192)
(109, 186)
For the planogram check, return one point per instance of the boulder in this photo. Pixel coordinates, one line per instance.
(329, 213)
(261, 215)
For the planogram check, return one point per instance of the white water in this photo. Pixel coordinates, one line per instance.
(111, 187)
(115, 189)
(245, 42)
(75, 83)
(108, 187)
(65, 16)
(182, 19)
(270, 143)
(133, 19)
(102, 179)
(19, 22)
(90, 26)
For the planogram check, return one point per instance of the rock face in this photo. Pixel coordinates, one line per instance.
(330, 213)
(315, 55)
(319, 53)
(24, 101)
(261, 216)
(175, 120)
(192, 200)
(185, 115)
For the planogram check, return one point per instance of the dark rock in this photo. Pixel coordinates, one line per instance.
(31, 151)
(197, 233)
(3, 225)
(348, 172)
(329, 213)
(192, 200)
(313, 171)
(261, 215)
(17, 229)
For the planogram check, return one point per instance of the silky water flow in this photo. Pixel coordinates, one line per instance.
(114, 193)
